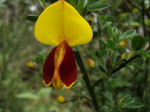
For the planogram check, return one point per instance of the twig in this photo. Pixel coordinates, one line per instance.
(86, 80)
(119, 67)
(140, 9)
(133, 5)
(125, 64)
(97, 82)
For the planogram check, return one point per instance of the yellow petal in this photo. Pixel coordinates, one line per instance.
(60, 21)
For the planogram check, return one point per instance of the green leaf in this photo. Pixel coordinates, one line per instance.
(132, 23)
(102, 42)
(32, 18)
(44, 92)
(72, 2)
(145, 54)
(128, 34)
(97, 5)
(27, 95)
(118, 82)
(42, 3)
(138, 42)
(130, 103)
(111, 43)
(116, 34)
(80, 5)
(109, 97)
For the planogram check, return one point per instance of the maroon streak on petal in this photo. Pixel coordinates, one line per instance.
(48, 68)
(68, 69)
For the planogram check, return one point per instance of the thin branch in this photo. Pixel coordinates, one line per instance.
(124, 64)
(140, 9)
(97, 82)
(86, 80)
(119, 67)
(133, 5)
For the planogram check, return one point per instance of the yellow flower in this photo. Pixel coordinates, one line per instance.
(122, 43)
(90, 62)
(61, 25)
(60, 99)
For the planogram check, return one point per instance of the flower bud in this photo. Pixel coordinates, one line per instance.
(123, 56)
(108, 62)
(30, 64)
(126, 56)
(148, 46)
(90, 62)
(60, 99)
(122, 43)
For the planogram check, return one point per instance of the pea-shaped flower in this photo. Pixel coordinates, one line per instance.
(61, 25)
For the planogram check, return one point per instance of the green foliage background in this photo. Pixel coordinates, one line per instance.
(120, 85)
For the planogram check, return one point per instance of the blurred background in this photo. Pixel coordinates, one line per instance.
(22, 57)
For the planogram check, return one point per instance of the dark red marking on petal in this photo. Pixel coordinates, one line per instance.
(68, 69)
(48, 68)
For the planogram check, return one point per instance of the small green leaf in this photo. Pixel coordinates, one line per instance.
(116, 34)
(72, 2)
(97, 6)
(111, 44)
(128, 34)
(130, 103)
(109, 97)
(32, 18)
(44, 92)
(146, 54)
(132, 23)
(42, 3)
(27, 95)
(138, 42)
(80, 5)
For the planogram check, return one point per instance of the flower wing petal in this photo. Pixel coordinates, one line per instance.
(48, 68)
(68, 69)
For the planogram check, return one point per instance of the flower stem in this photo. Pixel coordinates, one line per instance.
(86, 80)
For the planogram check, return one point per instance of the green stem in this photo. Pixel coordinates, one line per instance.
(86, 80)
(143, 13)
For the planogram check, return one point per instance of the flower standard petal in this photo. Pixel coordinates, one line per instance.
(48, 27)
(60, 21)
(76, 28)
